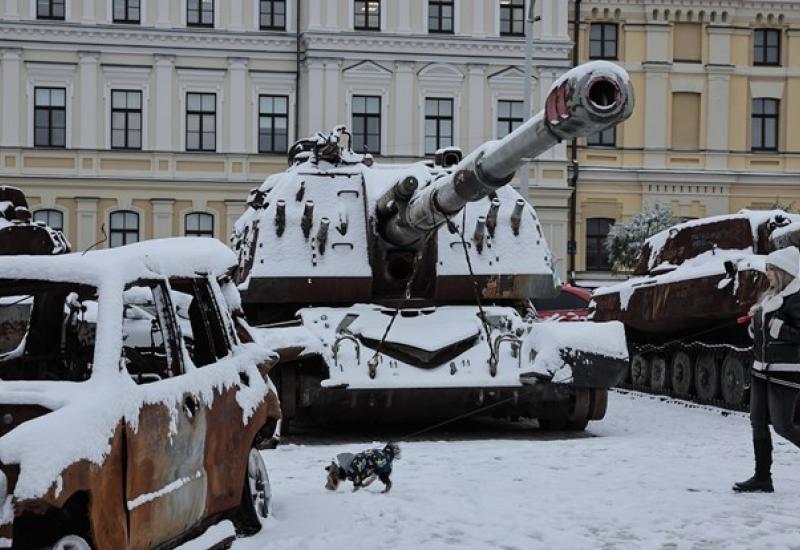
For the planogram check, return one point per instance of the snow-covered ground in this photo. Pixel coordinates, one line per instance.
(655, 475)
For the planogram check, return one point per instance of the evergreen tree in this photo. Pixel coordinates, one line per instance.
(625, 240)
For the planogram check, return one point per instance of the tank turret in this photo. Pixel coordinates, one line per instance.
(19, 234)
(401, 281)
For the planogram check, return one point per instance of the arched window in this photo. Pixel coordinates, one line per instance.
(48, 216)
(596, 233)
(124, 228)
(199, 224)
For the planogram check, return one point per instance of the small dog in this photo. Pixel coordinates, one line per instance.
(363, 468)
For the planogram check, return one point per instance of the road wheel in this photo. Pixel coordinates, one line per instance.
(706, 376)
(72, 542)
(256, 495)
(732, 380)
(640, 370)
(659, 376)
(681, 373)
(578, 417)
(599, 404)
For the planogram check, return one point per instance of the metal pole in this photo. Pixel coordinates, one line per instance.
(526, 105)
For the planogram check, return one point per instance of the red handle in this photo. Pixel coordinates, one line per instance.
(744, 320)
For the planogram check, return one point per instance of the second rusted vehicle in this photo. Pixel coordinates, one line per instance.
(120, 430)
(685, 308)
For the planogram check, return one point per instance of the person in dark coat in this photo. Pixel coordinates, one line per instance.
(775, 383)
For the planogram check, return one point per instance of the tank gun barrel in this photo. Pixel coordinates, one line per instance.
(587, 99)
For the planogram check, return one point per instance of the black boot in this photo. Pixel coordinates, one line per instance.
(761, 482)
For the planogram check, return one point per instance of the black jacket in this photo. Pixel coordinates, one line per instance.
(781, 353)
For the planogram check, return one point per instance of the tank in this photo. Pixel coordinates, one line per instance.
(402, 292)
(19, 234)
(686, 307)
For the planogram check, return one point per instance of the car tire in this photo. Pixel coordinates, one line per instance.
(72, 542)
(256, 495)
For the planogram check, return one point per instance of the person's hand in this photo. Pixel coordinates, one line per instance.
(775, 327)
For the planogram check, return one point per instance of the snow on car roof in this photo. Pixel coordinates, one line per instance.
(183, 256)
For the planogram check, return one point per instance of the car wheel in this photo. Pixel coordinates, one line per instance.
(256, 495)
(72, 542)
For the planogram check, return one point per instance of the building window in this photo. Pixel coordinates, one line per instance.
(596, 233)
(273, 124)
(126, 11)
(50, 9)
(50, 117)
(440, 16)
(201, 122)
(606, 138)
(603, 41)
(367, 15)
(512, 17)
(126, 119)
(765, 124)
(272, 15)
(509, 117)
(124, 228)
(367, 124)
(200, 13)
(438, 124)
(51, 218)
(766, 47)
(199, 224)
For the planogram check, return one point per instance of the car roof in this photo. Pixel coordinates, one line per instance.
(175, 257)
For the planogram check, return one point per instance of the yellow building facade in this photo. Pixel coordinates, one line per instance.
(715, 126)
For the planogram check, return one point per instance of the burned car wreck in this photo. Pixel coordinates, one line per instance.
(122, 423)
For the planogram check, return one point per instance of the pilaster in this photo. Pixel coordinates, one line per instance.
(86, 212)
(165, 65)
(315, 96)
(476, 83)
(404, 106)
(719, 91)
(238, 91)
(334, 111)
(89, 65)
(11, 68)
(656, 109)
(162, 218)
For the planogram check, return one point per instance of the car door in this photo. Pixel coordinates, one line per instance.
(165, 480)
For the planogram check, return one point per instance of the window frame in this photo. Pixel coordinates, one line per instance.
(199, 12)
(602, 139)
(126, 112)
(592, 242)
(366, 116)
(198, 232)
(272, 26)
(201, 114)
(511, 8)
(603, 26)
(48, 213)
(273, 117)
(49, 109)
(438, 118)
(439, 5)
(127, 8)
(50, 16)
(765, 48)
(762, 118)
(511, 119)
(124, 231)
(366, 26)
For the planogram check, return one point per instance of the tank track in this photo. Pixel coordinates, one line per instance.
(723, 379)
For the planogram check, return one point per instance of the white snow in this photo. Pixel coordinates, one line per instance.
(167, 489)
(213, 535)
(653, 474)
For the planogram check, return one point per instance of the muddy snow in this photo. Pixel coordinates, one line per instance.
(653, 474)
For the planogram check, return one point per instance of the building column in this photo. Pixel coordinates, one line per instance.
(86, 213)
(162, 218)
(233, 210)
(554, 20)
(12, 108)
(656, 109)
(404, 16)
(164, 97)
(237, 125)
(315, 97)
(89, 64)
(87, 12)
(314, 15)
(478, 17)
(163, 15)
(335, 111)
(718, 100)
(12, 10)
(476, 83)
(237, 15)
(403, 109)
(332, 15)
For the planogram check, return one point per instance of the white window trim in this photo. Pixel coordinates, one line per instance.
(456, 18)
(47, 75)
(142, 13)
(497, 17)
(271, 84)
(67, 9)
(507, 86)
(126, 78)
(351, 15)
(184, 23)
(766, 90)
(203, 82)
(204, 210)
(121, 207)
(256, 26)
(446, 85)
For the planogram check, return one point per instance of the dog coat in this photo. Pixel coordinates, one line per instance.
(360, 466)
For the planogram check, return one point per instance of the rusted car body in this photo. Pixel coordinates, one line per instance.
(124, 438)
(682, 309)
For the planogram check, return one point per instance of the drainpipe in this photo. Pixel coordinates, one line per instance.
(297, 74)
(573, 201)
